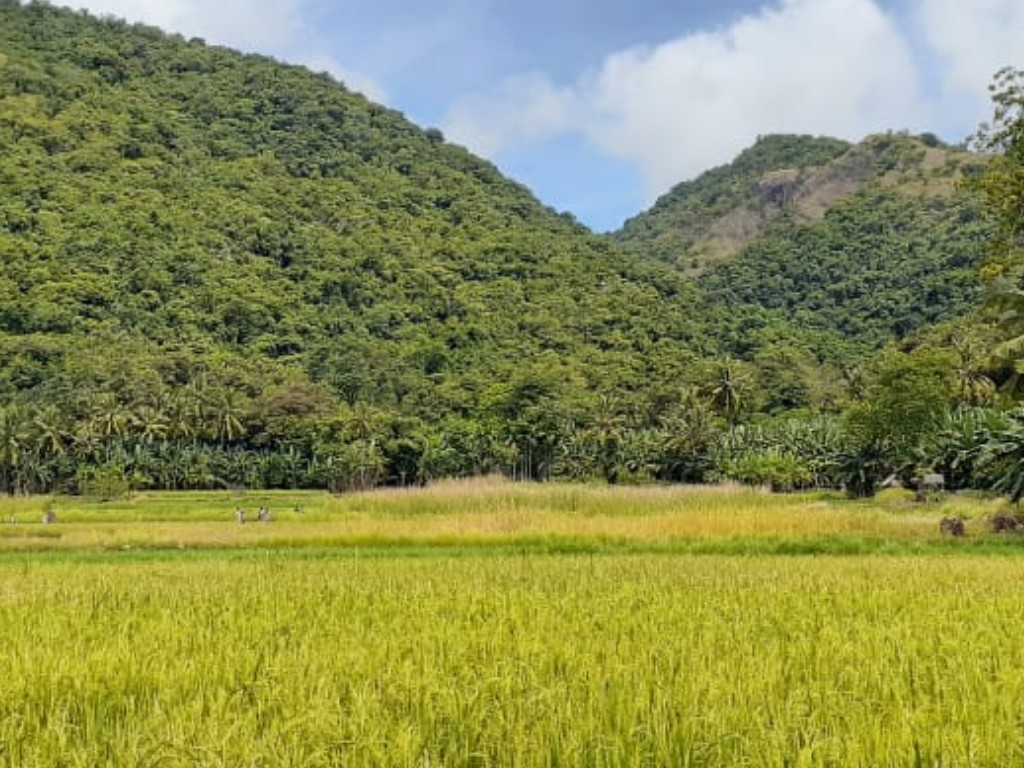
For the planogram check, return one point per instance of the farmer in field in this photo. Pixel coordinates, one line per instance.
(239, 514)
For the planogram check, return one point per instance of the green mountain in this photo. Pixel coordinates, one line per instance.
(190, 196)
(177, 218)
(712, 217)
(790, 178)
(853, 245)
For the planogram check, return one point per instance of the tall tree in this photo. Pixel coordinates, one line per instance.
(1001, 187)
(727, 388)
(1002, 184)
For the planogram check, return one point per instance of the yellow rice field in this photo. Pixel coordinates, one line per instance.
(391, 629)
(513, 661)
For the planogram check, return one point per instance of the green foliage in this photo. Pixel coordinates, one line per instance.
(1001, 185)
(999, 454)
(220, 256)
(775, 469)
(905, 404)
(878, 267)
(785, 454)
(823, 251)
(961, 448)
(105, 483)
(220, 271)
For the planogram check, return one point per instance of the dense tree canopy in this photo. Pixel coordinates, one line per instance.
(183, 228)
(216, 269)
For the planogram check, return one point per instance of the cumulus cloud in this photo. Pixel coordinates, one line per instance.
(523, 109)
(353, 80)
(249, 24)
(837, 67)
(973, 40)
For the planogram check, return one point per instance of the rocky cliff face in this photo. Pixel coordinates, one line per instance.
(712, 218)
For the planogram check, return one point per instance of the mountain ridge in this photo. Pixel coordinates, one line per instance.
(712, 218)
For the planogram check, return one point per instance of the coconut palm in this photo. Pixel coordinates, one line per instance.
(109, 417)
(152, 424)
(727, 388)
(15, 438)
(225, 411)
(605, 436)
(50, 432)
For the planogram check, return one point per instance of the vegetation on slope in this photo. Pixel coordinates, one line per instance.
(790, 179)
(219, 250)
(878, 267)
(844, 247)
(217, 270)
(682, 223)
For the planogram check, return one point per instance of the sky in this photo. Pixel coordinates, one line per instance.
(600, 106)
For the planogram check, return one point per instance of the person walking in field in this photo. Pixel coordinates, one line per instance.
(239, 514)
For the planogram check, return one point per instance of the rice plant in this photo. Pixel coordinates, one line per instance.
(277, 659)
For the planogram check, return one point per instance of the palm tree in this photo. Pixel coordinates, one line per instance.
(727, 388)
(225, 411)
(687, 437)
(1007, 301)
(33, 474)
(606, 434)
(364, 422)
(183, 416)
(51, 436)
(855, 382)
(15, 436)
(152, 424)
(974, 387)
(436, 457)
(109, 417)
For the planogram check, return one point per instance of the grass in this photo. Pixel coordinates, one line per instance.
(495, 514)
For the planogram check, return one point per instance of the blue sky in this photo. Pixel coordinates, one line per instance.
(600, 107)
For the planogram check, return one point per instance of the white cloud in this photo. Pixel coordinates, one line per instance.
(527, 108)
(974, 40)
(248, 24)
(837, 67)
(354, 81)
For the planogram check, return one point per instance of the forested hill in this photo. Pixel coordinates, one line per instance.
(788, 179)
(853, 245)
(701, 221)
(178, 216)
(216, 269)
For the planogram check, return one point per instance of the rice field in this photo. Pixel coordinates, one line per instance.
(489, 513)
(445, 652)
